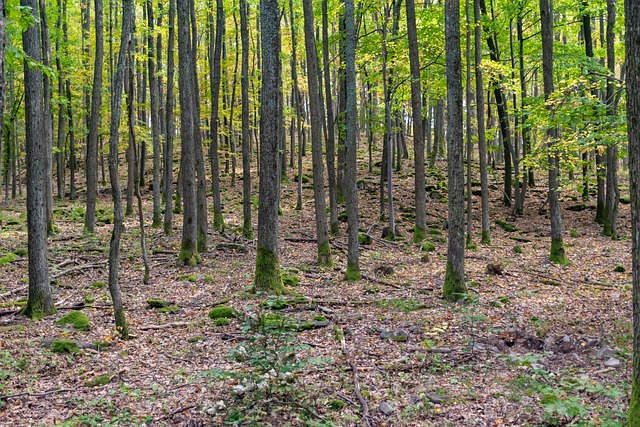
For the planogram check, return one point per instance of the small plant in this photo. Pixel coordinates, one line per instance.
(336, 404)
(574, 232)
(364, 239)
(619, 268)
(98, 284)
(8, 258)
(428, 246)
(517, 249)
(77, 319)
(290, 280)
(97, 381)
(20, 252)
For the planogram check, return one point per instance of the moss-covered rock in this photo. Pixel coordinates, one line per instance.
(290, 280)
(64, 346)
(221, 321)
(157, 303)
(97, 381)
(77, 319)
(508, 227)
(428, 246)
(102, 345)
(336, 404)
(188, 278)
(170, 309)
(221, 312)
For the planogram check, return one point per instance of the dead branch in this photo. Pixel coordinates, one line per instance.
(176, 412)
(163, 326)
(164, 252)
(26, 393)
(356, 384)
(232, 247)
(381, 282)
(14, 291)
(9, 312)
(79, 268)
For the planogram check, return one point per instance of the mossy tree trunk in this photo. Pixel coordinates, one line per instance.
(454, 285)
(267, 274)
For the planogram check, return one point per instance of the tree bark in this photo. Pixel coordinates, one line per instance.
(331, 133)
(154, 96)
(454, 285)
(215, 53)
(94, 124)
(557, 253)
(3, 82)
(267, 273)
(612, 192)
(48, 117)
(170, 124)
(247, 228)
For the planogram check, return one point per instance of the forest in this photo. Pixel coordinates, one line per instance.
(319, 213)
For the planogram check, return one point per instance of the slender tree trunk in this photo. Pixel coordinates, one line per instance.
(557, 253)
(114, 125)
(94, 124)
(419, 232)
(40, 301)
(131, 154)
(247, 227)
(612, 192)
(232, 135)
(632, 39)
(60, 171)
(48, 117)
(454, 285)
(3, 84)
(331, 133)
(588, 46)
(468, 96)
(267, 273)
(189, 251)
(154, 96)
(170, 125)
(322, 236)
(215, 53)
(353, 263)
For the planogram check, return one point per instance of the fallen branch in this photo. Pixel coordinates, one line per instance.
(26, 393)
(232, 247)
(9, 312)
(164, 252)
(78, 268)
(163, 326)
(14, 291)
(176, 412)
(63, 264)
(356, 384)
(381, 282)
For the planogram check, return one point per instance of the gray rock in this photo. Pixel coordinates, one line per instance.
(591, 342)
(442, 350)
(606, 351)
(612, 362)
(436, 398)
(399, 336)
(566, 338)
(385, 408)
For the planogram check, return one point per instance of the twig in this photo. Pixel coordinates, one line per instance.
(164, 251)
(9, 312)
(163, 326)
(232, 247)
(356, 384)
(78, 268)
(176, 412)
(381, 282)
(63, 264)
(26, 393)
(346, 399)
(14, 291)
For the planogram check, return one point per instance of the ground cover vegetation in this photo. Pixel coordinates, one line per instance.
(319, 213)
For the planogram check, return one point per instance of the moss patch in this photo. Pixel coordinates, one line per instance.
(428, 246)
(506, 226)
(157, 303)
(99, 380)
(221, 321)
(222, 312)
(7, 259)
(171, 309)
(188, 278)
(64, 346)
(77, 319)
(267, 274)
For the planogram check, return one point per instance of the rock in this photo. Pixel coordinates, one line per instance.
(566, 338)
(591, 342)
(612, 362)
(537, 366)
(534, 343)
(435, 398)
(399, 336)
(606, 351)
(442, 350)
(385, 408)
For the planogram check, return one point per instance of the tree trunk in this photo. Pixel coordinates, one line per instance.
(557, 253)
(588, 46)
(114, 125)
(331, 133)
(419, 232)
(215, 53)
(48, 117)
(632, 38)
(188, 252)
(247, 228)
(60, 170)
(170, 124)
(612, 192)
(94, 124)
(40, 301)
(154, 96)
(454, 286)
(468, 96)
(3, 84)
(351, 194)
(267, 273)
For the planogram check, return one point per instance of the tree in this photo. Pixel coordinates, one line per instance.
(215, 53)
(351, 192)
(188, 251)
(40, 301)
(632, 38)
(454, 285)
(170, 125)
(3, 83)
(154, 92)
(612, 192)
(419, 232)
(331, 132)
(267, 274)
(557, 253)
(48, 118)
(322, 236)
(247, 228)
(94, 124)
(116, 191)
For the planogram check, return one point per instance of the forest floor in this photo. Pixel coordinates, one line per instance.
(533, 344)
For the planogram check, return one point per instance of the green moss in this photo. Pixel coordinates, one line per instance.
(171, 309)
(157, 303)
(434, 231)
(324, 255)
(336, 404)
(189, 254)
(195, 339)
(21, 252)
(64, 346)
(188, 278)
(102, 345)
(506, 226)
(218, 221)
(419, 234)
(334, 228)
(221, 312)
(221, 321)
(38, 308)
(619, 269)
(353, 273)
(88, 299)
(405, 305)
(202, 242)
(77, 319)
(428, 246)
(247, 231)
(364, 239)
(290, 280)
(7, 259)
(99, 380)
(486, 238)
(267, 275)
(342, 216)
(557, 254)
(319, 318)
(454, 287)
(98, 284)
(517, 249)
(574, 232)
